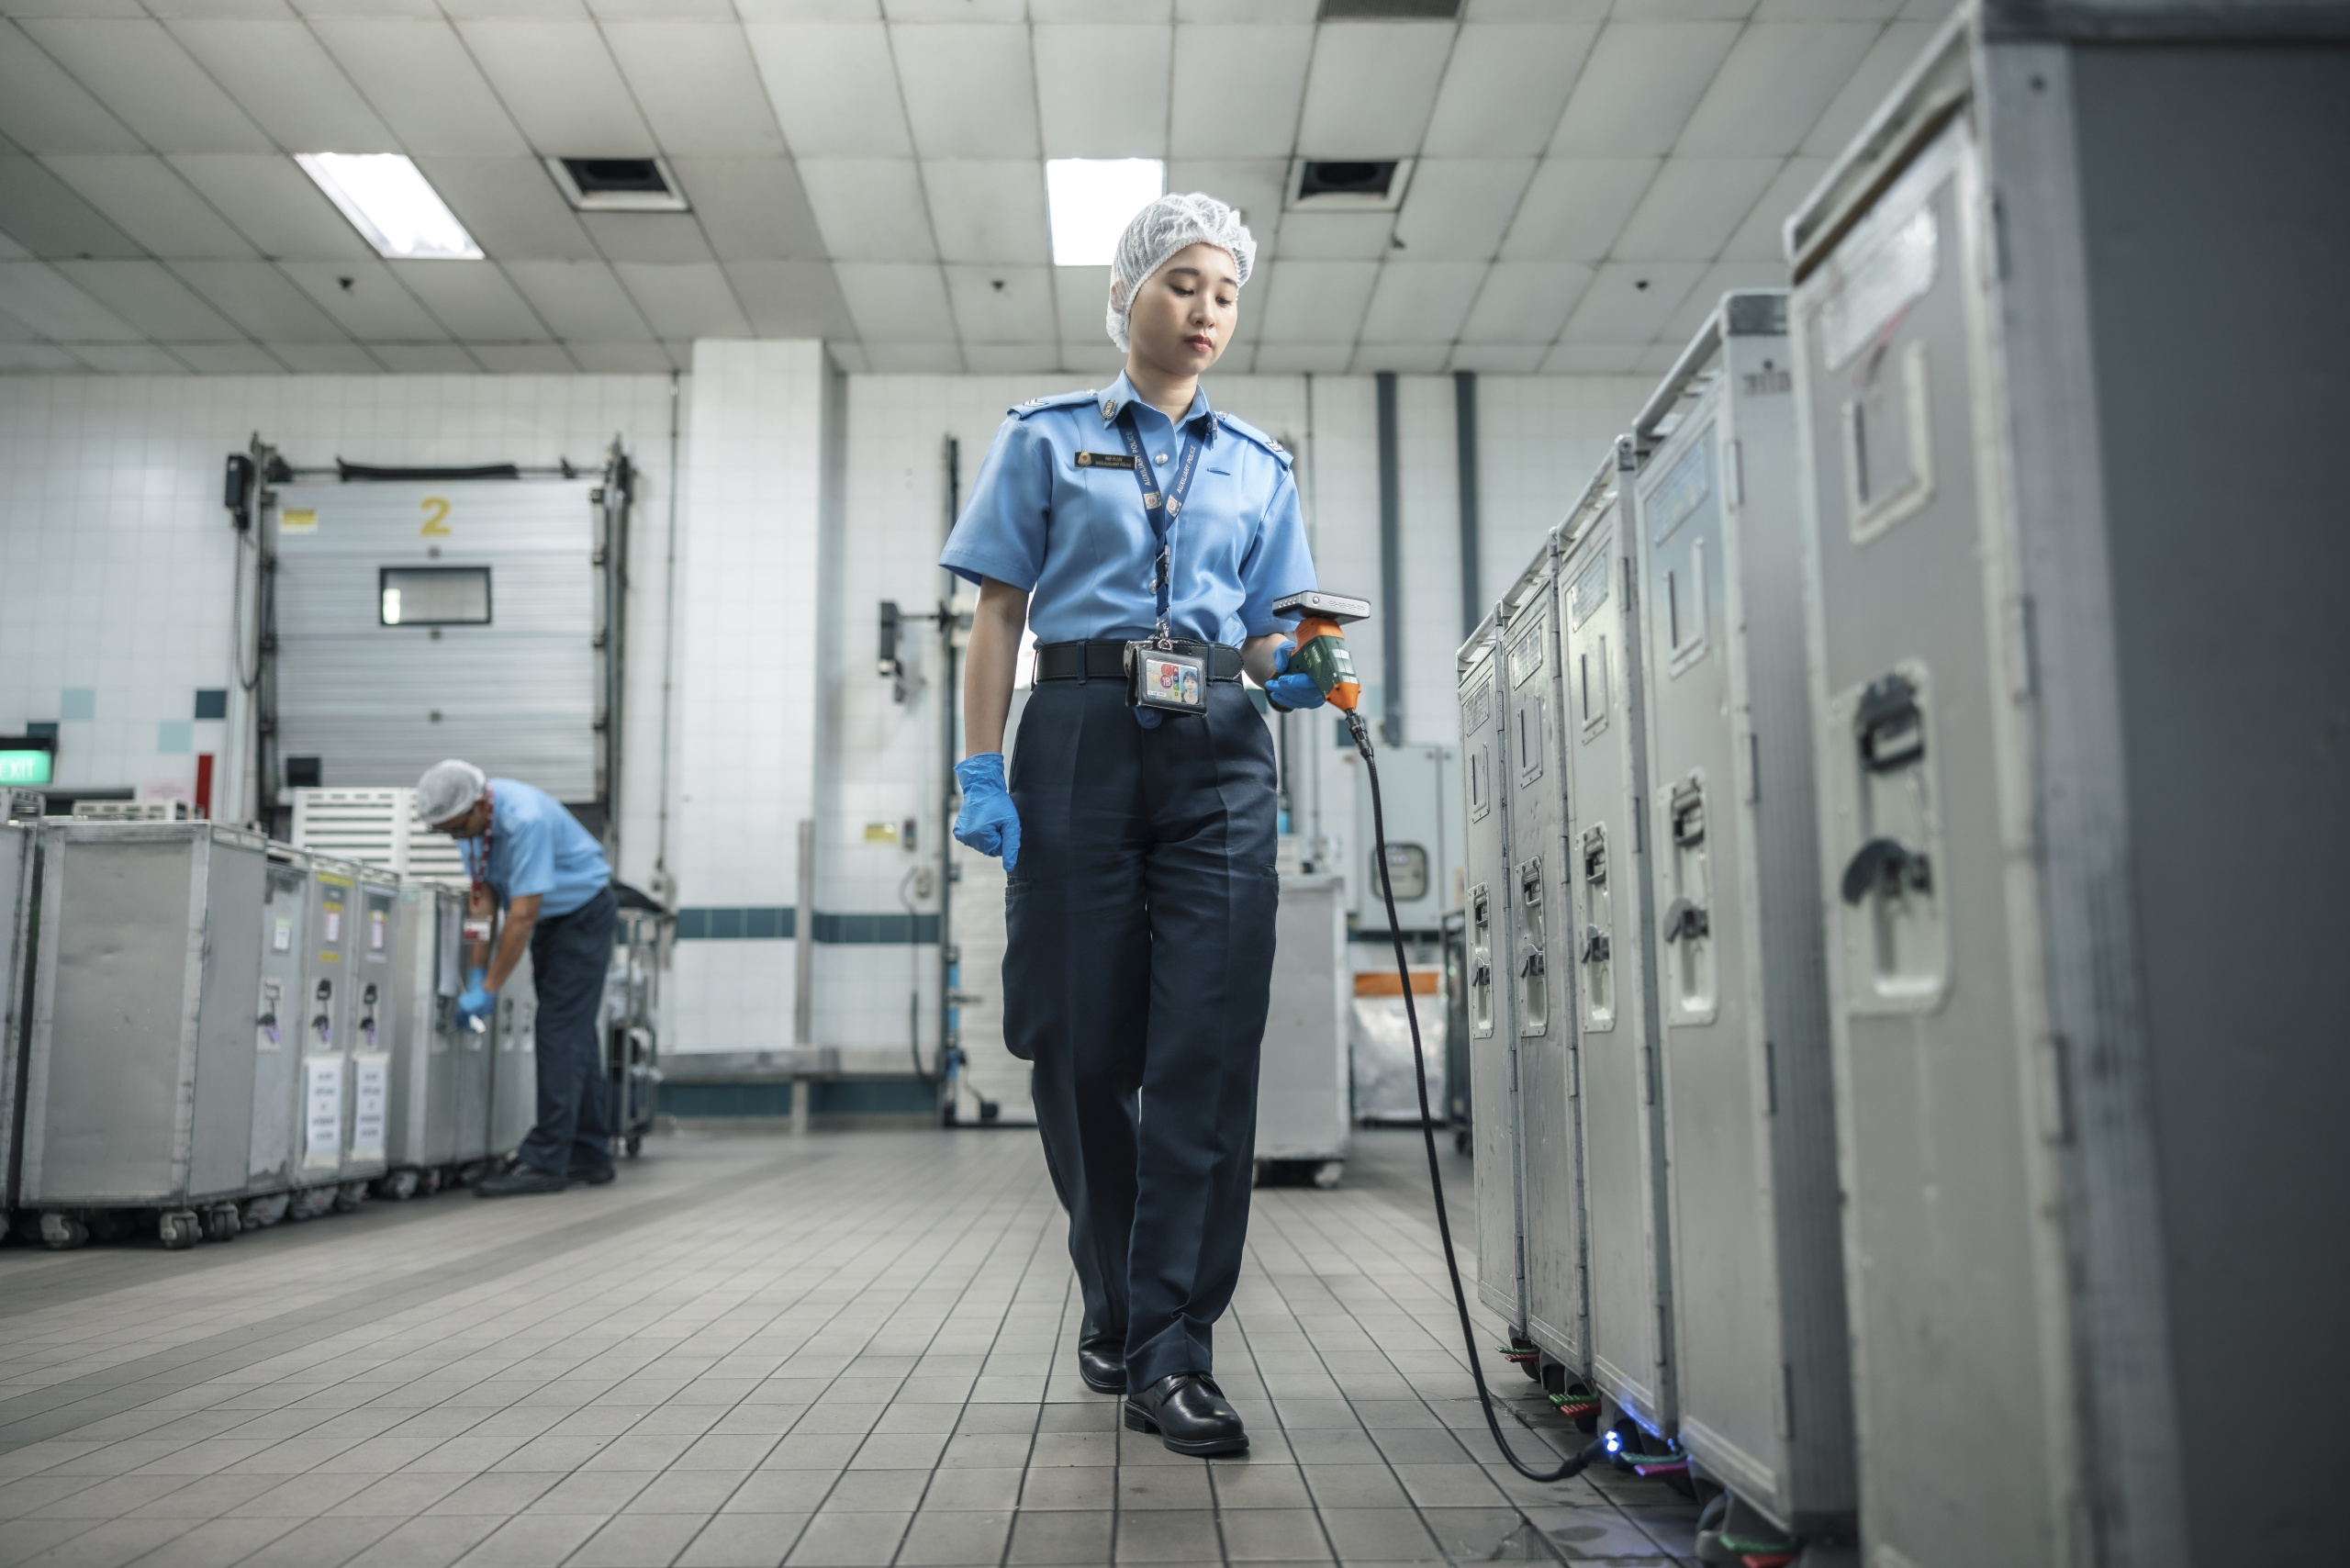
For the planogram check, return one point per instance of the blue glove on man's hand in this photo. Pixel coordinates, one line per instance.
(1291, 689)
(479, 999)
(986, 822)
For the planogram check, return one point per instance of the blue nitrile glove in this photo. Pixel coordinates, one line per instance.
(478, 997)
(986, 822)
(1288, 688)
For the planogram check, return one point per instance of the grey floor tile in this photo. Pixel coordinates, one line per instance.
(1486, 1534)
(813, 1451)
(971, 1491)
(1275, 1535)
(217, 1543)
(1074, 1536)
(1380, 1535)
(1448, 1485)
(1354, 1486)
(876, 1492)
(106, 1498)
(637, 1541)
(902, 1451)
(427, 1542)
(782, 1491)
(700, 1491)
(1057, 1449)
(1164, 1486)
(504, 1494)
(849, 1541)
(533, 1541)
(1260, 1483)
(398, 1497)
(958, 1539)
(1170, 1535)
(1414, 1445)
(742, 1541)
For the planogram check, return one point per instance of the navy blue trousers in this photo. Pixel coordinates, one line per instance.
(569, 955)
(1137, 971)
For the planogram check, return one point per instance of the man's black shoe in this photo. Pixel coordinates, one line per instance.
(520, 1181)
(591, 1175)
(1103, 1364)
(1190, 1414)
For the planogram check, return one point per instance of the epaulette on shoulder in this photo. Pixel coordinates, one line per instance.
(1057, 400)
(1243, 428)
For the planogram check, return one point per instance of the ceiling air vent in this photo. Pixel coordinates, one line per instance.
(617, 184)
(1390, 10)
(1335, 184)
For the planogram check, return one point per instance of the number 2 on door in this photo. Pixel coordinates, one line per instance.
(436, 516)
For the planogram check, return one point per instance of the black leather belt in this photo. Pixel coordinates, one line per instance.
(1107, 661)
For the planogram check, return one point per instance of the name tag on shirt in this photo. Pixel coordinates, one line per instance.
(1106, 460)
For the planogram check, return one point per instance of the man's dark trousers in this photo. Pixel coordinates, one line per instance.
(569, 955)
(1137, 971)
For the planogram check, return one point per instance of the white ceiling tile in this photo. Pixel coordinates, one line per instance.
(1692, 207)
(657, 237)
(1504, 89)
(524, 359)
(1536, 10)
(493, 10)
(1081, 304)
(1459, 208)
(914, 359)
(1236, 90)
(1827, 10)
(20, 358)
(1101, 10)
(1251, 185)
(151, 203)
(1369, 89)
(1101, 91)
(870, 210)
(420, 78)
(896, 302)
(284, 79)
(128, 359)
(365, 300)
(43, 215)
(1657, 358)
(473, 300)
(1593, 359)
(1335, 236)
(263, 301)
(511, 207)
(1090, 363)
(970, 90)
(45, 110)
(1256, 11)
(1682, 10)
(753, 210)
(138, 71)
(1002, 303)
(1498, 359)
(954, 10)
(228, 359)
(1525, 302)
(1307, 359)
(559, 82)
(1770, 90)
(1629, 302)
(833, 86)
(1722, 278)
(424, 359)
(697, 85)
(578, 300)
(148, 297)
(1011, 358)
(1642, 80)
(1421, 302)
(1758, 238)
(1404, 359)
(327, 10)
(791, 299)
(1896, 50)
(1316, 302)
(327, 359)
(849, 358)
(621, 359)
(272, 204)
(989, 209)
(1575, 207)
(45, 300)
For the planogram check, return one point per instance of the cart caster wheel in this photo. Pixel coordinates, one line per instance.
(62, 1233)
(179, 1229)
(222, 1222)
(349, 1196)
(1328, 1174)
(635, 1145)
(429, 1183)
(398, 1188)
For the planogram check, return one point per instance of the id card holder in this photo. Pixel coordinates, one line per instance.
(1163, 679)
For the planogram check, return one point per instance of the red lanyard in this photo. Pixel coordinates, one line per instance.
(481, 895)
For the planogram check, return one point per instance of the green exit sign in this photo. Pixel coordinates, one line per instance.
(26, 766)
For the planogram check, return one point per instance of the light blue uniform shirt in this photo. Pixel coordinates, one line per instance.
(536, 846)
(1080, 539)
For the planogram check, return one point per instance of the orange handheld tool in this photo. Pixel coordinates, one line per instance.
(1322, 643)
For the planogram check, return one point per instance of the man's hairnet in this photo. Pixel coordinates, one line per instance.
(1161, 230)
(447, 789)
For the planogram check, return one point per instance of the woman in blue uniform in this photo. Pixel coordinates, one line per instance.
(1135, 526)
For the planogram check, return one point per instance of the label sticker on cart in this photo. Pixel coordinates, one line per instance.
(322, 1112)
(334, 922)
(376, 930)
(281, 936)
(368, 1101)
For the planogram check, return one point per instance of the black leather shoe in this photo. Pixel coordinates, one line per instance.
(519, 1182)
(1190, 1414)
(1103, 1364)
(590, 1175)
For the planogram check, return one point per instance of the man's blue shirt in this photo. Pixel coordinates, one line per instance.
(1079, 539)
(536, 846)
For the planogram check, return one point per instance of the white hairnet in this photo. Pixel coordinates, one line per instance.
(448, 789)
(1161, 230)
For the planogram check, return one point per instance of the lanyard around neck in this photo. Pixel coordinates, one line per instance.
(1161, 510)
(481, 876)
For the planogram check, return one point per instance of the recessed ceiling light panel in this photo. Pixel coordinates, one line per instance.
(388, 200)
(1092, 201)
(618, 184)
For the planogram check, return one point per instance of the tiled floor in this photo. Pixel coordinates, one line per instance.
(852, 1350)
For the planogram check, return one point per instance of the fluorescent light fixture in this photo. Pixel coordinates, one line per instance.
(387, 199)
(1094, 199)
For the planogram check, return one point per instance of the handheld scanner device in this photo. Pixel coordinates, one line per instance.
(1322, 643)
